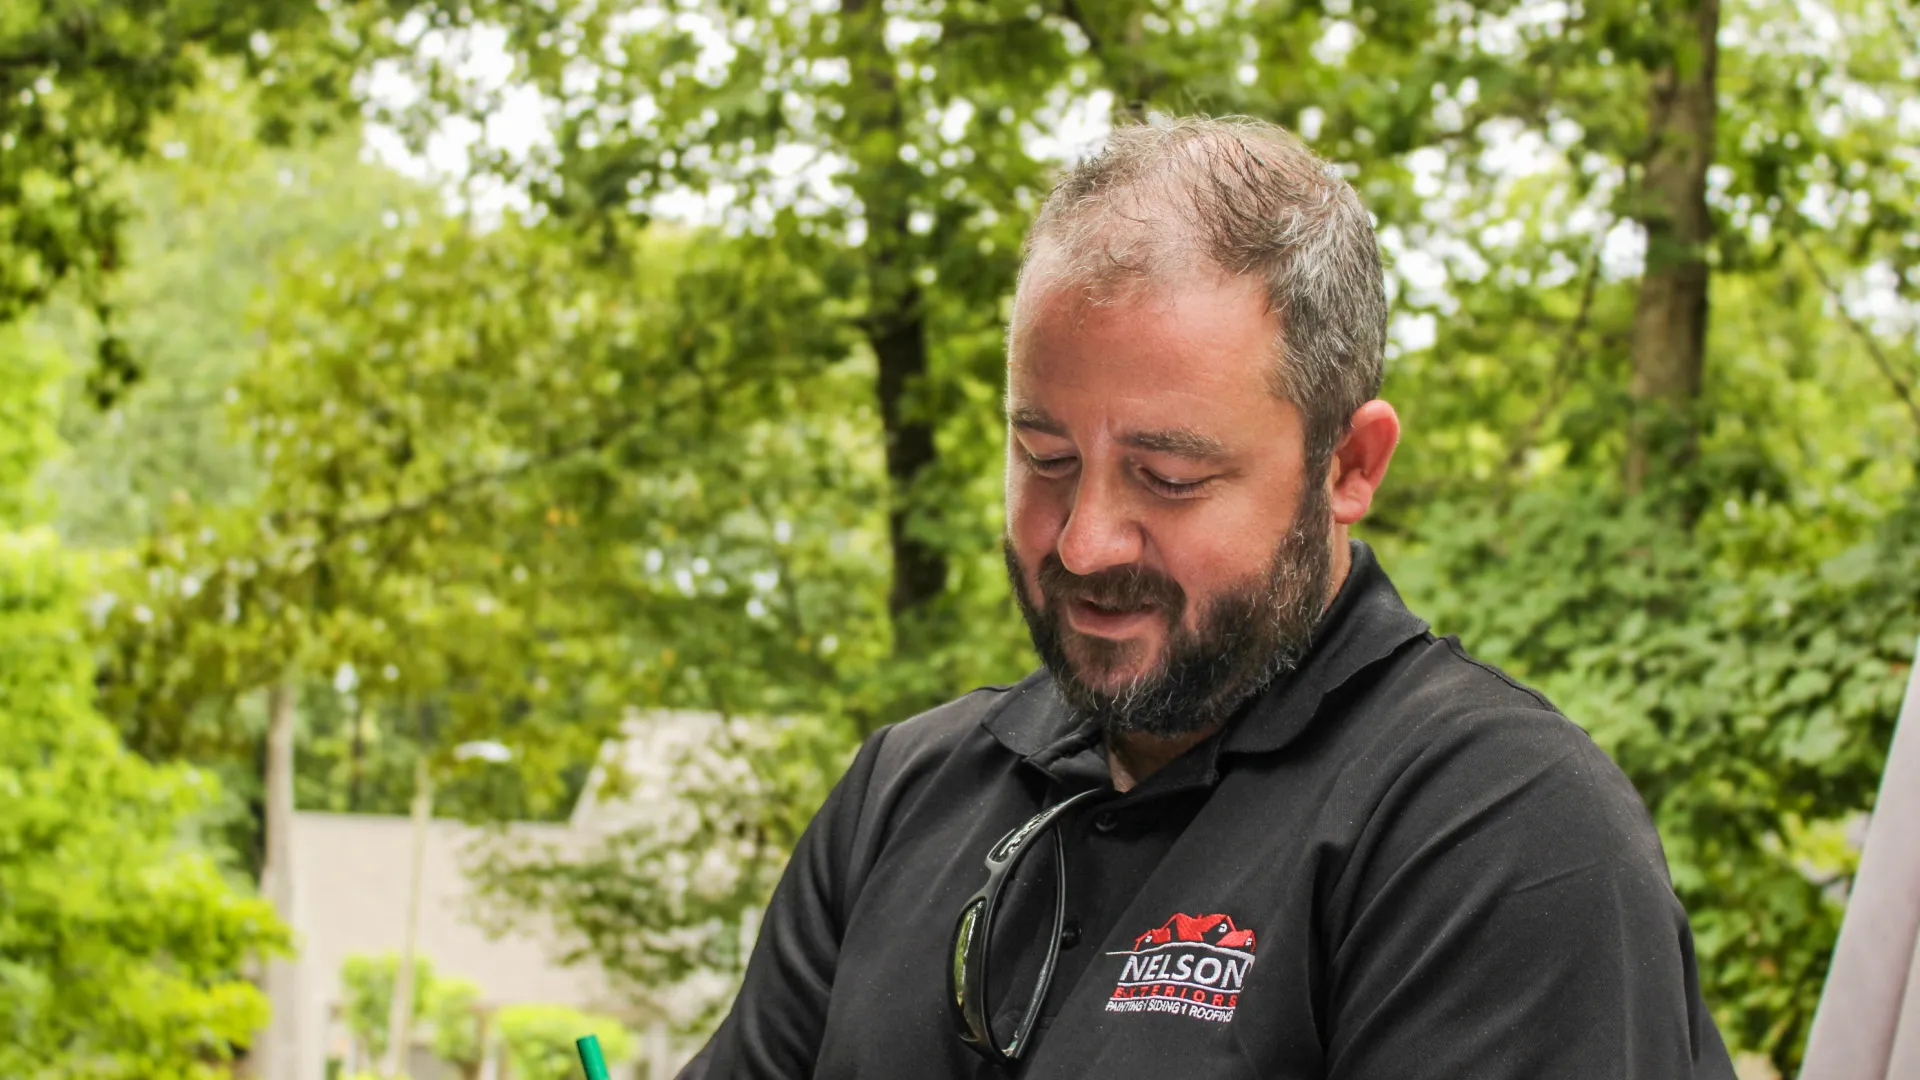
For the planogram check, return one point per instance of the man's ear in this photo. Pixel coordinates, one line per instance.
(1360, 461)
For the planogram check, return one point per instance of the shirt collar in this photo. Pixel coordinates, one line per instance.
(1366, 623)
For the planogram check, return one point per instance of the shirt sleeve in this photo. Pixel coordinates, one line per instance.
(1508, 914)
(774, 1027)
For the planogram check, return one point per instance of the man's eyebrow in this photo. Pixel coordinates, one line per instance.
(1028, 418)
(1180, 442)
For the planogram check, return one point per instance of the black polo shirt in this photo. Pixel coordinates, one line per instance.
(1397, 864)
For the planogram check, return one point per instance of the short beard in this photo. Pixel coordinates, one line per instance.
(1250, 634)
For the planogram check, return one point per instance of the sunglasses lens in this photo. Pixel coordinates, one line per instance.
(963, 940)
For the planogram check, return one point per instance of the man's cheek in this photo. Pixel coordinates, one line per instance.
(1037, 511)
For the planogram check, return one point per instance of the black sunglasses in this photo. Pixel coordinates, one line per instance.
(967, 975)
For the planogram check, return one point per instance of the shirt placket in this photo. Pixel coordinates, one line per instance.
(1113, 847)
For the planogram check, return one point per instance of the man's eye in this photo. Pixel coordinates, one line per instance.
(1173, 488)
(1050, 466)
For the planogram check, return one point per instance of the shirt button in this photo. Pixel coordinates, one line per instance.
(1106, 821)
(1070, 934)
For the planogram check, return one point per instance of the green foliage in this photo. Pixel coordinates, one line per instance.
(121, 940)
(693, 877)
(539, 1040)
(534, 1036)
(28, 411)
(210, 225)
(448, 1006)
(367, 996)
(206, 232)
(122, 944)
(507, 480)
(453, 1010)
(85, 83)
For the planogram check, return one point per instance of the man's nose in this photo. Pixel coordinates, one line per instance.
(1100, 531)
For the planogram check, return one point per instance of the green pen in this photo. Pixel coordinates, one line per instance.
(590, 1057)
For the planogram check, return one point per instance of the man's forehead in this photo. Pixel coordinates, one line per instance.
(1183, 331)
(1053, 282)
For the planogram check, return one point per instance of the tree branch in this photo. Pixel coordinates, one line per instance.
(1880, 358)
(1569, 358)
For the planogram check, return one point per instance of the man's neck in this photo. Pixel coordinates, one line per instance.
(1134, 756)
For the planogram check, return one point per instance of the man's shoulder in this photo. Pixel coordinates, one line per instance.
(933, 735)
(1464, 738)
(1435, 695)
(1440, 673)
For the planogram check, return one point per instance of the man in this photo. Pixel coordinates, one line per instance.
(1306, 838)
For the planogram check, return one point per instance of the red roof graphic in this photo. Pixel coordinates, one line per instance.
(1210, 929)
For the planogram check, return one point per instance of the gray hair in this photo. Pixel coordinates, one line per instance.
(1249, 198)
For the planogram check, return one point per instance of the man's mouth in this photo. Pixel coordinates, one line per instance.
(1109, 620)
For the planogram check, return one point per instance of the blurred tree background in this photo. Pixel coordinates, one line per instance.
(391, 375)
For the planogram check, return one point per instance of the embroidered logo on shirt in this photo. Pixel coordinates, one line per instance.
(1192, 965)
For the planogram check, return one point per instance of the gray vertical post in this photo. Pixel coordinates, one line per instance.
(277, 1053)
(659, 1051)
(1868, 1023)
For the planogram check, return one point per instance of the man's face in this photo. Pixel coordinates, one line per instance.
(1166, 547)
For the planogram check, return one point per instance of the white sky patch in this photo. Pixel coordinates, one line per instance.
(954, 120)
(1417, 274)
(1819, 26)
(695, 207)
(1513, 151)
(1874, 299)
(902, 32)
(1207, 13)
(1429, 168)
(1581, 219)
(1819, 206)
(517, 127)
(1719, 181)
(1413, 331)
(1563, 132)
(1070, 129)
(1311, 119)
(1337, 39)
(1505, 233)
(1624, 252)
(1865, 102)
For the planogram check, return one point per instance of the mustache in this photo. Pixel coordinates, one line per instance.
(1124, 587)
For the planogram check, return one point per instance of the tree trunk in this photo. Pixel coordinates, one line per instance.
(276, 1055)
(356, 757)
(400, 1011)
(1670, 320)
(900, 344)
(895, 323)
